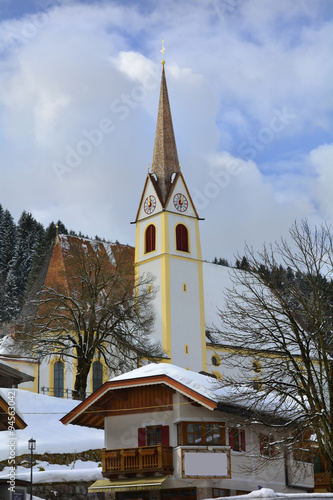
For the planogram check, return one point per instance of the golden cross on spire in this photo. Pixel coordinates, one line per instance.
(163, 50)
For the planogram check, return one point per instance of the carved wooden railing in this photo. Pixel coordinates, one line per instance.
(129, 461)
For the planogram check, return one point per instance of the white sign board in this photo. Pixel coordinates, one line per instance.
(205, 464)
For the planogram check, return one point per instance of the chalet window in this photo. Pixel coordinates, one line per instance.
(237, 439)
(182, 238)
(97, 375)
(59, 379)
(303, 448)
(150, 239)
(153, 435)
(267, 449)
(212, 434)
(220, 492)
(200, 433)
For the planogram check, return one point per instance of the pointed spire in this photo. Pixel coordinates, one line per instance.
(165, 158)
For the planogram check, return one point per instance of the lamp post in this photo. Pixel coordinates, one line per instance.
(32, 447)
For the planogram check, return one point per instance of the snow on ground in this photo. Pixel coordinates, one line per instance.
(267, 493)
(54, 473)
(42, 414)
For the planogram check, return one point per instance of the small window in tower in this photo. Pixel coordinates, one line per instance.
(149, 288)
(184, 287)
(216, 360)
(187, 350)
(182, 238)
(150, 239)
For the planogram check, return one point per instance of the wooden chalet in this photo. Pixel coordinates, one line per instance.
(167, 429)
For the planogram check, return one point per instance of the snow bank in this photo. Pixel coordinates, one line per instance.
(270, 494)
(54, 473)
(42, 414)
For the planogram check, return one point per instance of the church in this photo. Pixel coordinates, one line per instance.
(171, 429)
(187, 290)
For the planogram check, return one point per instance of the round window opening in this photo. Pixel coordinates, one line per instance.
(216, 360)
(256, 366)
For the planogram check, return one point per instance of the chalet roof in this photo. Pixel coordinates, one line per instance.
(9, 376)
(100, 402)
(198, 388)
(165, 158)
(5, 413)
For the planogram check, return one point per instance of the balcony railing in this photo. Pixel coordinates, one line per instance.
(130, 461)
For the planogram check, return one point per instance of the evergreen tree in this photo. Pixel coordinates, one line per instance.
(29, 233)
(10, 300)
(7, 243)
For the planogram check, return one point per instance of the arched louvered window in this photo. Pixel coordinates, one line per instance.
(59, 379)
(97, 375)
(150, 238)
(182, 238)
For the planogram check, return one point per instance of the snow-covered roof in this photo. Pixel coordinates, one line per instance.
(202, 384)
(202, 389)
(42, 414)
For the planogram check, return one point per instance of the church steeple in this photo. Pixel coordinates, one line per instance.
(167, 246)
(165, 157)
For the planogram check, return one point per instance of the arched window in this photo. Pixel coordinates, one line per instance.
(97, 375)
(59, 379)
(150, 238)
(181, 238)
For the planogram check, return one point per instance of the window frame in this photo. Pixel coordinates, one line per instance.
(155, 437)
(237, 439)
(182, 238)
(59, 382)
(265, 445)
(97, 372)
(200, 433)
(150, 239)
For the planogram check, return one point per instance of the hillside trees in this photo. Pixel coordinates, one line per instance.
(23, 247)
(280, 313)
(96, 310)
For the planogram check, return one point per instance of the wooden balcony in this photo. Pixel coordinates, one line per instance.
(132, 461)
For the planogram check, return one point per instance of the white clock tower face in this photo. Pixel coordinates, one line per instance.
(180, 202)
(149, 204)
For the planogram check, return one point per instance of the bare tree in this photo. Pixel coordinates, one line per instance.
(94, 307)
(279, 312)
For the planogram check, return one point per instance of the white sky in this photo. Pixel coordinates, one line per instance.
(250, 87)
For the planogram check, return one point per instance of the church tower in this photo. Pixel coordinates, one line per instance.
(168, 246)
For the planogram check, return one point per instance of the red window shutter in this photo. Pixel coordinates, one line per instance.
(165, 435)
(243, 440)
(141, 437)
(231, 438)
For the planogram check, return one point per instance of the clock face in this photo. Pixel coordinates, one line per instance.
(180, 202)
(150, 204)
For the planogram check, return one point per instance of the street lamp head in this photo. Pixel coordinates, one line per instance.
(32, 444)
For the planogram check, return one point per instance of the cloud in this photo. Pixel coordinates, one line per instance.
(80, 97)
